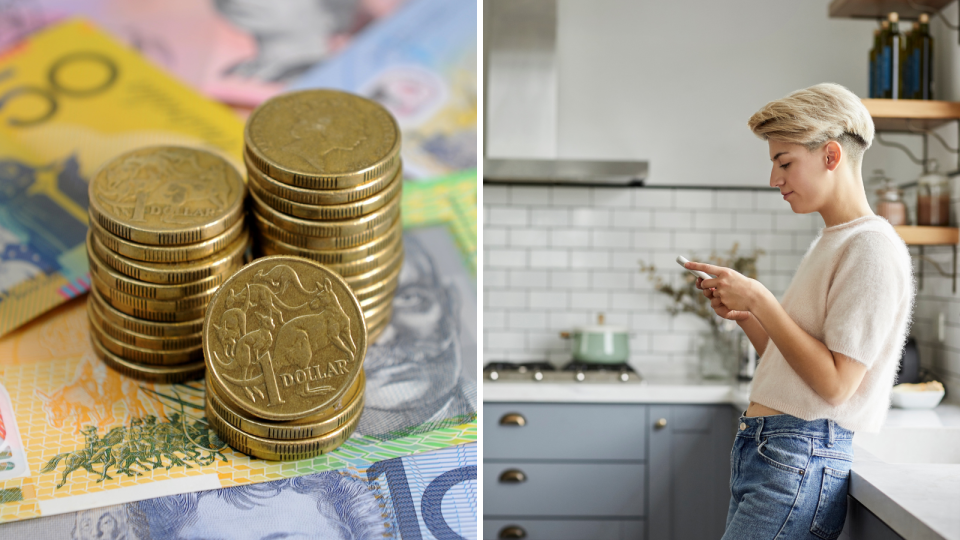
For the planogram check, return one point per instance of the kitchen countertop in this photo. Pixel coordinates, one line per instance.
(917, 500)
(652, 390)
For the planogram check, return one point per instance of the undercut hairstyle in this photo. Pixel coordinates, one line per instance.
(813, 116)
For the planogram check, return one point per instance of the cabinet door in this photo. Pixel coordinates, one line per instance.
(564, 490)
(689, 470)
(563, 529)
(862, 524)
(564, 431)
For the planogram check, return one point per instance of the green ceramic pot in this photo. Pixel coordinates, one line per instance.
(601, 344)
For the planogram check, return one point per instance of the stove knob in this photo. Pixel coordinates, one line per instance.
(522, 369)
(494, 375)
(624, 376)
(580, 376)
(538, 376)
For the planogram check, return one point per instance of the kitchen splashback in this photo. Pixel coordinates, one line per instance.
(555, 257)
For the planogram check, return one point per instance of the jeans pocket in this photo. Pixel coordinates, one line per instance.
(832, 504)
(785, 452)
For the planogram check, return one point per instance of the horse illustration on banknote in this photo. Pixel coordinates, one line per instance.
(144, 444)
(91, 395)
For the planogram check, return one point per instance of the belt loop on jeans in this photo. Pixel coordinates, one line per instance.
(759, 428)
(829, 433)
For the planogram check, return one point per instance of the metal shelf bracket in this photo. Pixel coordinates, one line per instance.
(952, 274)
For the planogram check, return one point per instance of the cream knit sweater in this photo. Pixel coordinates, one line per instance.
(854, 291)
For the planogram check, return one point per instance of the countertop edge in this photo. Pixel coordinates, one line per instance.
(614, 393)
(887, 509)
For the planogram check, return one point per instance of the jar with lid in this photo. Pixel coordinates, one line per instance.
(890, 203)
(933, 198)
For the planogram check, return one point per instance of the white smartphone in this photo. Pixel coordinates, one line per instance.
(681, 260)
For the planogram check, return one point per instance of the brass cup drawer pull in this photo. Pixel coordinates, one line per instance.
(513, 419)
(512, 476)
(512, 531)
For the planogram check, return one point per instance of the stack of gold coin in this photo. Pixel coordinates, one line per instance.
(325, 178)
(284, 342)
(166, 229)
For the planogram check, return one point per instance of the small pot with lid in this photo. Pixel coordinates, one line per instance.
(600, 343)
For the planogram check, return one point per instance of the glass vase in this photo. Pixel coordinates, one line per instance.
(717, 351)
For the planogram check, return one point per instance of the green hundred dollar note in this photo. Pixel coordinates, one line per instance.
(71, 97)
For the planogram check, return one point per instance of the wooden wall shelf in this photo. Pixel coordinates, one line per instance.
(903, 114)
(878, 9)
(918, 235)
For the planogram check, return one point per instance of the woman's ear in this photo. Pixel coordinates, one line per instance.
(833, 152)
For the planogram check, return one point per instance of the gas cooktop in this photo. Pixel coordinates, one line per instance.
(574, 372)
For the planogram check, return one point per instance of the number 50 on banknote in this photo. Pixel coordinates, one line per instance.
(70, 99)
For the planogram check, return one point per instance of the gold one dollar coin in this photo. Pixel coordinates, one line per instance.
(322, 139)
(284, 338)
(341, 412)
(279, 449)
(167, 195)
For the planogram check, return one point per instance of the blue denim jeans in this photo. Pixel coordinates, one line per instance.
(788, 479)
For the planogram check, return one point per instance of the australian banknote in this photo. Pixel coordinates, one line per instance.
(425, 496)
(238, 51)
(71, 97)
(93, 438)
(421, 63)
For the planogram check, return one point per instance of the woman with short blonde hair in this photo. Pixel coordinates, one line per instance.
(830, 349)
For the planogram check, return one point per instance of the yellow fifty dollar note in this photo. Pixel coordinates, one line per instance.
(71, 98)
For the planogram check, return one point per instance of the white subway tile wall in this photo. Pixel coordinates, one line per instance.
(936, 296)
(556, 257)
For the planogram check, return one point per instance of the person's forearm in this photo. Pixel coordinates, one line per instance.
(755, 332)
(809, 357)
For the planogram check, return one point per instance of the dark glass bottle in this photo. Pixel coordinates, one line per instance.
(921, 60)
(910, 86)
(891, 60)
(872, 88)
(879, 71)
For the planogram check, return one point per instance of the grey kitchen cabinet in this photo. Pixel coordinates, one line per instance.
(862, 524)
(689, 464)
(562, 529)
(606, 471)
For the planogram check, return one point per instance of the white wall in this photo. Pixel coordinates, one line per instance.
(675, 82)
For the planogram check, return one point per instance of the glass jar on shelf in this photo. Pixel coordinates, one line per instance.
(933, 198)
(890, 204)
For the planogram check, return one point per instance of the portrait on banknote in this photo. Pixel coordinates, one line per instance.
(290, 36)
(420, 373)
(326, 505)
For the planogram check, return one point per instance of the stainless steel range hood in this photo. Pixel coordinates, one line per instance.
(564, 171)
(520, 103)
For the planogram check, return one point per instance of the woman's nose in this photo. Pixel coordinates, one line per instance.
(775, 179)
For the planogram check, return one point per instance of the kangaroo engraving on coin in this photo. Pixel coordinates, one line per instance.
(167, 195)
(284, 337)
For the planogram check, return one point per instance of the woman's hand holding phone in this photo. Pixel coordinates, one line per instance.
(730, 292)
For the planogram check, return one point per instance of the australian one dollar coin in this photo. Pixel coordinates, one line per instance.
(284, 338)
(167, 195)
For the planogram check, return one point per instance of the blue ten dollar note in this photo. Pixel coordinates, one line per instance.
(424, 496)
